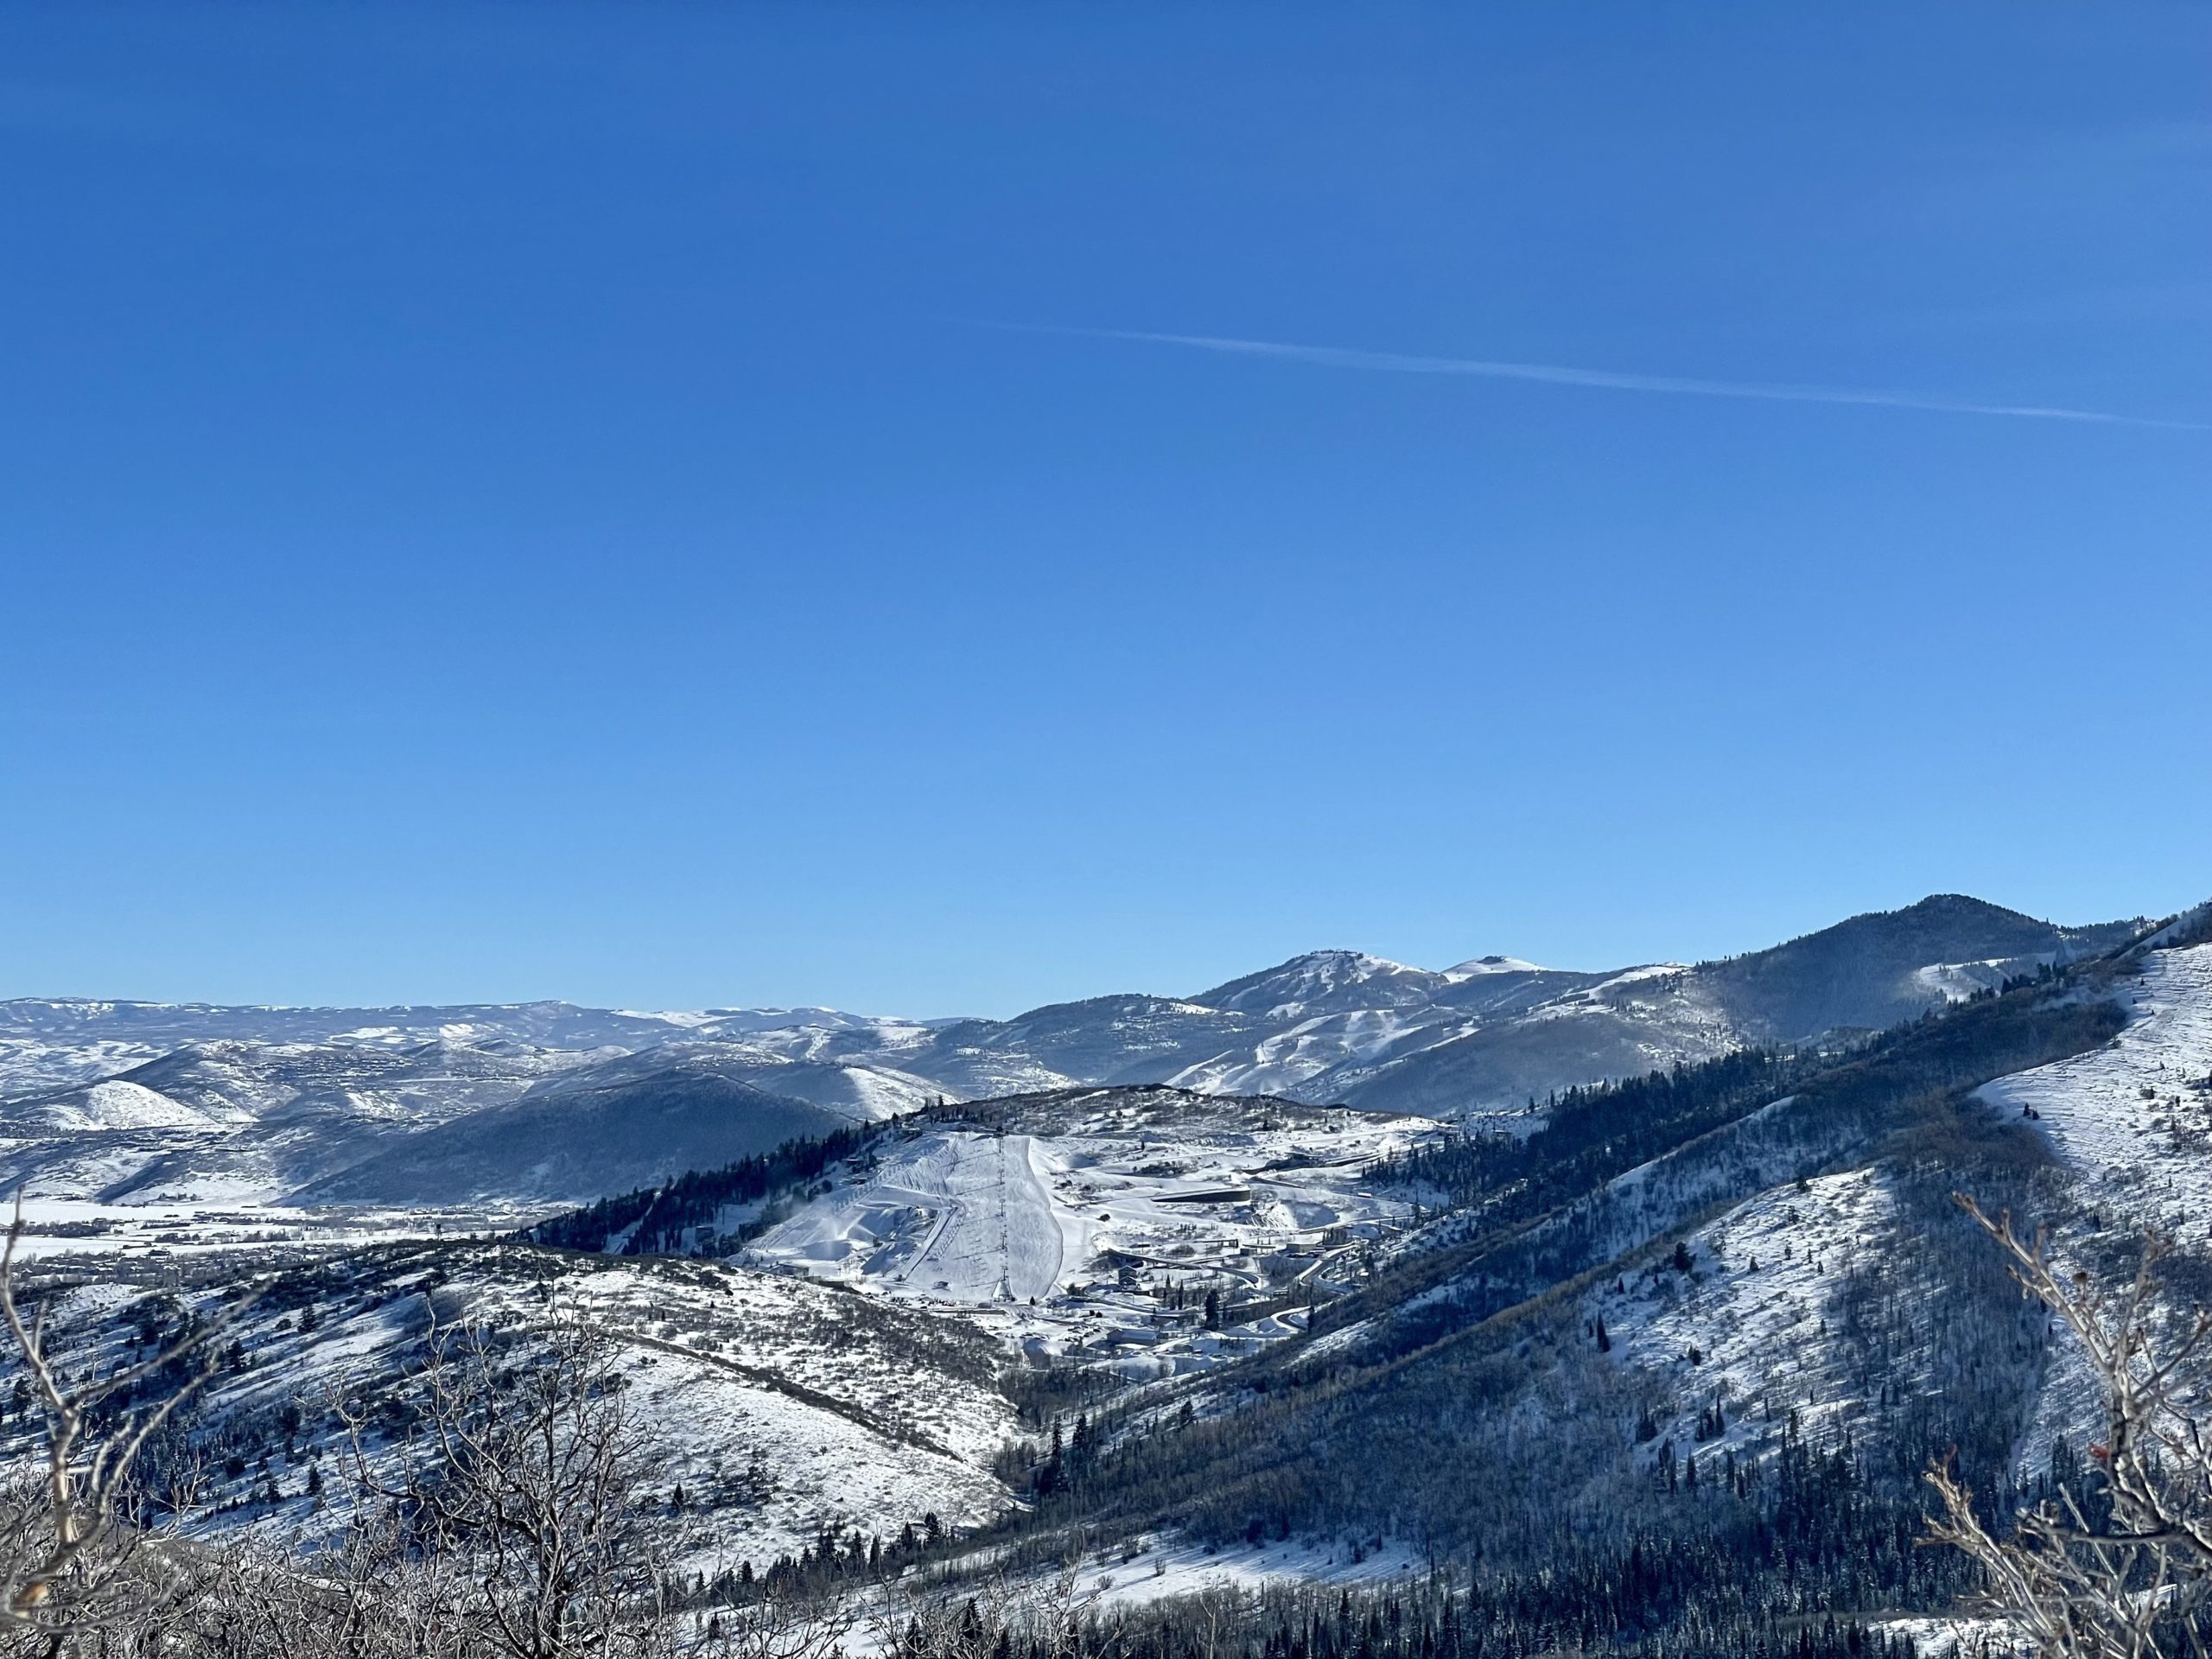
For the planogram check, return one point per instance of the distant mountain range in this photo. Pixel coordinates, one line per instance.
(1667, 1358)
(544, 1101)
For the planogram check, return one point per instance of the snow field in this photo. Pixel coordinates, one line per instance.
(2133, 1120)
(1750, 1326)
(1151, 1569)
(1098, 1206)
(959, 1216)
(778, 1405)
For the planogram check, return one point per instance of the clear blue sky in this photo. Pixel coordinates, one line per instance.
(503, 501)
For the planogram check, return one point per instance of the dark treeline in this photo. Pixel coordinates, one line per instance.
(1590, 1133)
(1656, 1598)
(668, 1220)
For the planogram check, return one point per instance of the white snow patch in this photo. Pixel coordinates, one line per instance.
(1747, 1326)
(2133, 1119)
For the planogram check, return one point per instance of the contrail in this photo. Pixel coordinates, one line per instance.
(1340, 357)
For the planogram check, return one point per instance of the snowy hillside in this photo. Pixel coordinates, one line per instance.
(115, 1103)
(1238, 1337)
(48, 1042)
(1750, 1326)
(234, 1121)
(1326, 981)
(1090, 1185)
(777, 1406)
(2133, 1120)
(967, 1217)
(602, 1129)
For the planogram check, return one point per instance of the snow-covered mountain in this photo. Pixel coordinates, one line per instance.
(1486, 1036)
(1516, 1033)
(1673, 1303)
(53, 1041)
(1684, 1307)
(545, 1101)
(1691, 1316)
(1327, 982)
(627, 1123)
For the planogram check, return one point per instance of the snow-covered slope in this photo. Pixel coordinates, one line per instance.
(231, 1121)
(779, 1406)
(2133, 1120)
(115, 1103)
(1040, 1194)
(234, 1121)
(605, 1129)
(1617, 1026)
(1753, 1325)
(966, 1217)
(49, 1042)
(1326, 981)
(863, 1093)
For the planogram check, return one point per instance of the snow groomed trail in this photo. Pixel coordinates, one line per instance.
(995, 1235)
(969, 1218)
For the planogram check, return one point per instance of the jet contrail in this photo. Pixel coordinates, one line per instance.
(1340, 357)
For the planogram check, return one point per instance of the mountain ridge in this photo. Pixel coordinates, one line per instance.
(265, 1102)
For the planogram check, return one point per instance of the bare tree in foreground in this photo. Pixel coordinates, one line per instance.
(523, 1466)
(514, 1522)
(2128, 1586)
(969, 1622)
(72, 1546)
(775, 1622)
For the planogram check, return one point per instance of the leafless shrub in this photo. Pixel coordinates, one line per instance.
(522, 1469)
(2129, 1584)
(75, 1555)
(367, 1596)
(964, 1621)
(497, 1509)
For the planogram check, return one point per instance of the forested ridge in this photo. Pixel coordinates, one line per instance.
(1466, 1407)
(1520, 1211)
(1459, 1401)
(1533, 1617)
(679, 1218)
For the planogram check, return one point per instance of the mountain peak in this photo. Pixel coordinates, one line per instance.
(1320, 981)
(1478, 965)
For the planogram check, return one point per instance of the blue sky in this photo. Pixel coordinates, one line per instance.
(670, 505)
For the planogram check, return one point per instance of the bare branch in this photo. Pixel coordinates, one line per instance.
(2118, 1588)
